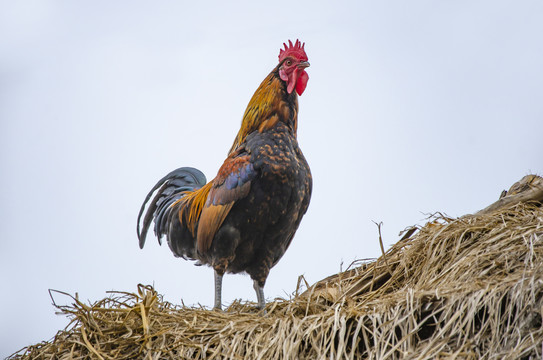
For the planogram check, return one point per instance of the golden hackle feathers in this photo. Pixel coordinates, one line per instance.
(263, 105)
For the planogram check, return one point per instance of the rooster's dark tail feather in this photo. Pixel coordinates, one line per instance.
(170, 189)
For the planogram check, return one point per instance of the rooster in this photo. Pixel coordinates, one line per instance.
(245, 218)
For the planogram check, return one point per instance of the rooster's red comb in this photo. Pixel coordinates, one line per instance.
(296, 51)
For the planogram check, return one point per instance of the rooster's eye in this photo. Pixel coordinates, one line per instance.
(288, 62)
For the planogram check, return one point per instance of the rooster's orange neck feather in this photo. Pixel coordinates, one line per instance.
(269, 104)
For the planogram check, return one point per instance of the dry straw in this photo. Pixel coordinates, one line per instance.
(467, 288)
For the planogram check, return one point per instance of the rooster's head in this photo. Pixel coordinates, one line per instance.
(292, 64)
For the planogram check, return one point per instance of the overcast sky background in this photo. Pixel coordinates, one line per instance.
(412, 107)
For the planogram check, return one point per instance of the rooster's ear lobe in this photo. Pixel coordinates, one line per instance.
(283, 75)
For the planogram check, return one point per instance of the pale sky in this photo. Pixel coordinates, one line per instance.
(412, 107)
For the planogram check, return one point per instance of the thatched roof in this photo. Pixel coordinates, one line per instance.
(467, 288)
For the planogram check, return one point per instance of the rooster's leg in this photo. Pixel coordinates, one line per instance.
(218, 290)
(259, 295)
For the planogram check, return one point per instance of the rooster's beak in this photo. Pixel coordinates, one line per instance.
(303, 65)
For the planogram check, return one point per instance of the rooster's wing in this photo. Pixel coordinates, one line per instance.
(231, 184)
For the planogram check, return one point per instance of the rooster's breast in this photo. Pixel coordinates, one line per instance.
(269, 216)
